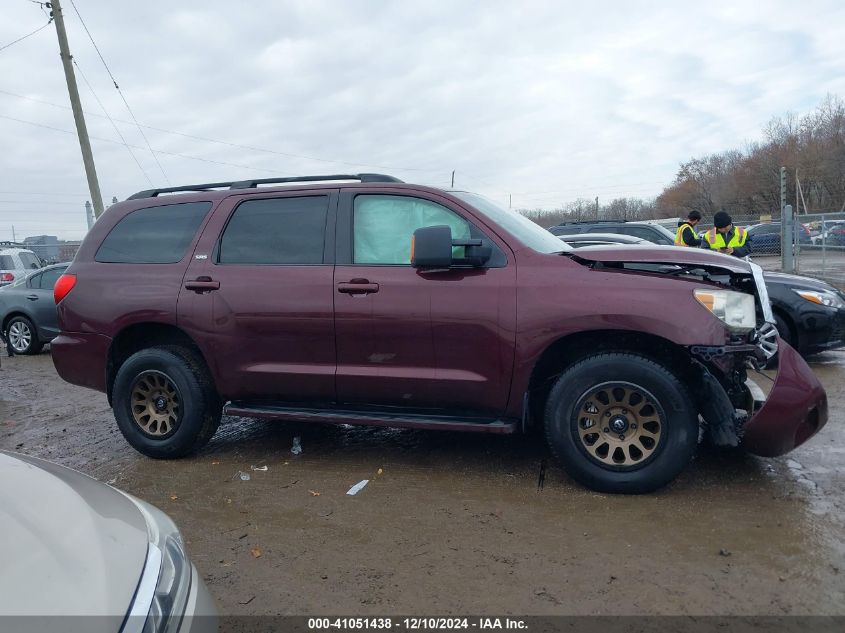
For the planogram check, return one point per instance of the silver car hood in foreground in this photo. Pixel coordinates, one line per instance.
(69, 545)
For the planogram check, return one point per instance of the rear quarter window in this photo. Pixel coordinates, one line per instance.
(153, 235)
(30, 261)
(6, 262)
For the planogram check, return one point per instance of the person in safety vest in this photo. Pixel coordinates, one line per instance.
(686, 235)
(727, 238)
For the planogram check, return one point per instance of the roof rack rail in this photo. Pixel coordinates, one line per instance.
(569, 222)
(252, 184)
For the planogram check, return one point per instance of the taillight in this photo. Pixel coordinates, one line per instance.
(63, 286)
(6, 278)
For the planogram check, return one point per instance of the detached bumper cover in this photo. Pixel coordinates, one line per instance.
(795, 410)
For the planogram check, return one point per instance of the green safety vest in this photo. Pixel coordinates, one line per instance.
(679, 236)
(716, 240)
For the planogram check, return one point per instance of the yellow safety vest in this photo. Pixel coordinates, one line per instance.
(716, 240)
(679, 236)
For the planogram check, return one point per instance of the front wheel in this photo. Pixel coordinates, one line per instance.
(165, 403)
(621, 423)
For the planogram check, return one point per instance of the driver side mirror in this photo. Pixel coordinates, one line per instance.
(431, 247)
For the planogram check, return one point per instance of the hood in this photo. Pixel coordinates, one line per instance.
(70, 546)
(796, 281)
(662, 255)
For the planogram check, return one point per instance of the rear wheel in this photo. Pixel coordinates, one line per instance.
(165, 403)
(621, 423)
(22, 336)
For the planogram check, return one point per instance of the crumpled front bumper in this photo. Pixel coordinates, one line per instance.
(795, 410)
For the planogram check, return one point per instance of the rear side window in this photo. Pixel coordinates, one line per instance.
(6, 262)
(155, 235)
(276, 231)
(30, 261)
(48, 279)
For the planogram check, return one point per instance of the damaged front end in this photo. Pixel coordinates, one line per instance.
(735, 409)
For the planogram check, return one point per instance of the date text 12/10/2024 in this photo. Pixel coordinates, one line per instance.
(417, 624)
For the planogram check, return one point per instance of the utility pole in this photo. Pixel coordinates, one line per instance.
(76, 106)
(510, 201)
(89, 218)
(597, 207)
(453, 178)
(14, 239)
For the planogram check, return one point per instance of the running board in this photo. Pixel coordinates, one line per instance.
(370, 418)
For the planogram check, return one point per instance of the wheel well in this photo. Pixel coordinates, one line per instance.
(142, 336)
(11, 316)
(793, 331)
(568, 350)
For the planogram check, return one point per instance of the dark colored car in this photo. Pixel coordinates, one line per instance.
(383, 303)
(836, 236)
(809, 314)
(765, 238)
(651, 232)
(28, 311)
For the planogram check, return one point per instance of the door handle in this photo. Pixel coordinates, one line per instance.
(357, 287)
(202, 284)
(32, 297)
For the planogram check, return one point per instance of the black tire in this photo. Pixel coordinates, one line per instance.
(199, 407)
(784, 330)
(673, 407)
(15, 328)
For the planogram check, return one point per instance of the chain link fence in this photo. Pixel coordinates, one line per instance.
(818, 244)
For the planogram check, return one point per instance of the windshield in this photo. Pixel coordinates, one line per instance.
(530, 234)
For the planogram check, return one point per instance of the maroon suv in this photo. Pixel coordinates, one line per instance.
(365, 300)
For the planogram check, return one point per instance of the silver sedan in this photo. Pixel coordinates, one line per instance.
(79, 555)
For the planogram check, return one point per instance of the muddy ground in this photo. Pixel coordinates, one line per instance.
(456, 524)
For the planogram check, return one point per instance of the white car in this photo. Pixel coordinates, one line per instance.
(17, 262)
(79, 555)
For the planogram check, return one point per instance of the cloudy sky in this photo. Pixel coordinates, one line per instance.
(544, 101)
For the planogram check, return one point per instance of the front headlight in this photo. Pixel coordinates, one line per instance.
(734, 309)
(168, 570)
(827, 298)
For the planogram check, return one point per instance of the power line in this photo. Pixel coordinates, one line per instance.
(125, 144)
(160, 151)
(37, 193)
(236, 145)
(120, 92)
(21, 39)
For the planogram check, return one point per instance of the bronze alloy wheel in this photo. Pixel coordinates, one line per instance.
(156, 404)
(619, 424)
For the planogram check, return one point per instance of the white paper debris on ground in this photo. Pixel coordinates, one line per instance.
(354, 490)
(261, 469)
(241, 475)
